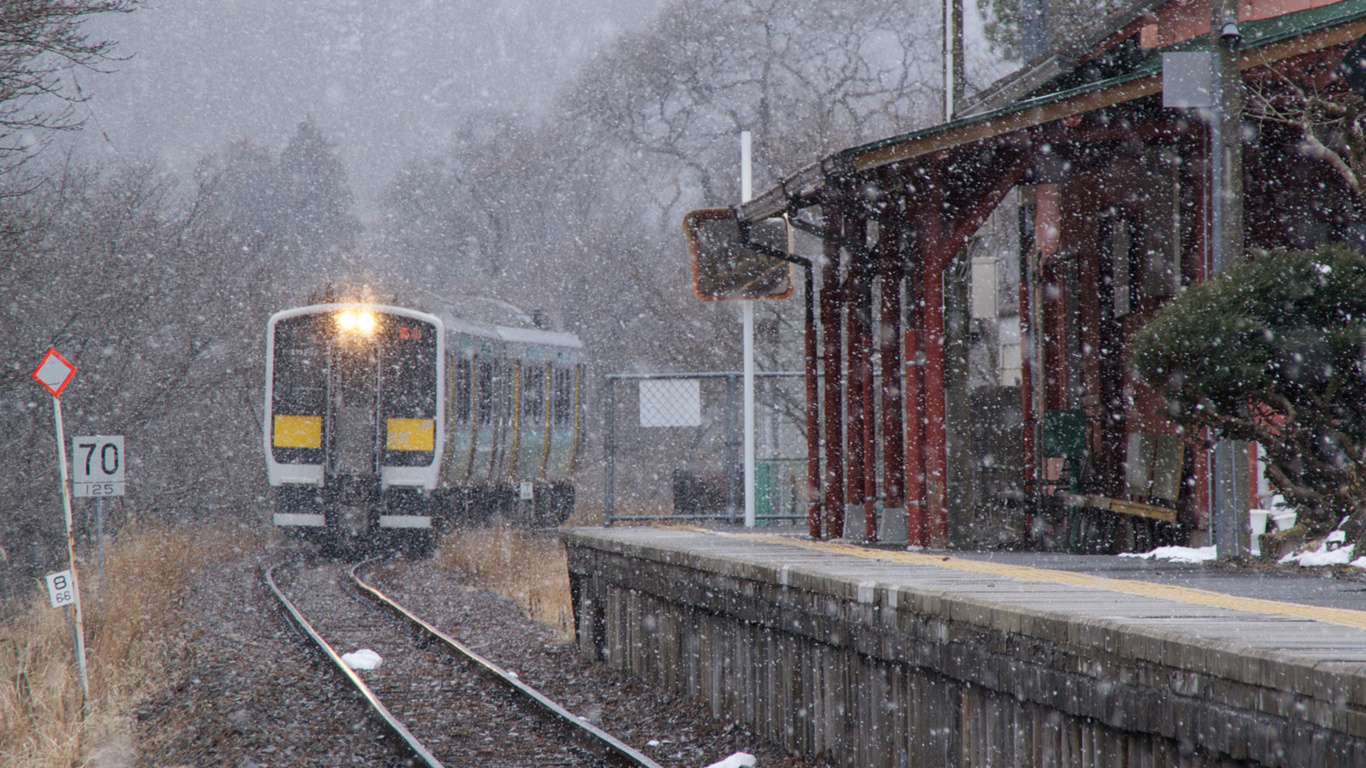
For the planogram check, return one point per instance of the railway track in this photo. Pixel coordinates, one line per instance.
(445, 703)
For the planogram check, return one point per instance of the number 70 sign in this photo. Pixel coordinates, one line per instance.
(97, 464)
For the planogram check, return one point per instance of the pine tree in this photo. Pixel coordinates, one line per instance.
(1272, 351)
(314, 199)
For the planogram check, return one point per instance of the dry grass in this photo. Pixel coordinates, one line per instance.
(132, 635)
(529, 570)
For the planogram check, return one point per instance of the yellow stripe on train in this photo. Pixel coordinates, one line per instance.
(410, 435)
(298, 432)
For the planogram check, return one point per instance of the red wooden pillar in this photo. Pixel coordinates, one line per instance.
(915, 422)
(941, 238)
(860, 429)
(934, 256)
(936, 411)
(889, 343)
(1028, 285)
(832, 348)
(868, 398)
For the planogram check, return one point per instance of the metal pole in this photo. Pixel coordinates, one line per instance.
(609, 446)
(747, 311)
(735, 472)
(1231, 525)
(99, 536)
(813, 407)
(71, 549)
(953, 56)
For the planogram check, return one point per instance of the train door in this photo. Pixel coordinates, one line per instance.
(353, 408)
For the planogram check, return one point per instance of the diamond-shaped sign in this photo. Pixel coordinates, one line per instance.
(54, 372)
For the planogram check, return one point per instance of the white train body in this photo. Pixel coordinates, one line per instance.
(380, 417)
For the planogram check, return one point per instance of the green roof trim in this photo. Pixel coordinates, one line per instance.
(1256, 34)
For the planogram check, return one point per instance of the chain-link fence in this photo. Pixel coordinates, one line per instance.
(674, 447)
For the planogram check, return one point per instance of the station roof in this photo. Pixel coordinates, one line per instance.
(1043, 92)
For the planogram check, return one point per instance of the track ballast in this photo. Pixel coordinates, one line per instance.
(446, 703)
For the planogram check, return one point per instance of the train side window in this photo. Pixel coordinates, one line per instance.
(505, 393)
(462, 389)
(483, 395)
(533, 393)
(561, 396)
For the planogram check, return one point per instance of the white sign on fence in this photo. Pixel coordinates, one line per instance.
(61, 588)
(97, 462)
(670, 403)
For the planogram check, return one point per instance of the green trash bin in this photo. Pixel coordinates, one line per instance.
(766, 477)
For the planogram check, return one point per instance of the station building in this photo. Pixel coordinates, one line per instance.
(982, 280)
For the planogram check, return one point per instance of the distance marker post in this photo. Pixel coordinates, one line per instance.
(54, 373)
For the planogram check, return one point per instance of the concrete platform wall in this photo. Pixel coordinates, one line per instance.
(873, 674)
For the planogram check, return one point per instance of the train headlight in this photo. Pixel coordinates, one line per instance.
(356, 322)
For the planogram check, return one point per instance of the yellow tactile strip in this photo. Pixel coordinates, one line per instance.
(1190, 595)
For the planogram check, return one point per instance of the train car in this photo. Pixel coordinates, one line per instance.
(382, 424)
(354, 420)
(515, 422)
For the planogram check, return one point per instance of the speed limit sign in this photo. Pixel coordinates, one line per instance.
(97, 464)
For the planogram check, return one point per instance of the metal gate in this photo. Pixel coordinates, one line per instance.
(673, 447)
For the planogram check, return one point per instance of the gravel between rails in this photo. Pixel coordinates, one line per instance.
(686, 733)
(459, 713)
(246, 694)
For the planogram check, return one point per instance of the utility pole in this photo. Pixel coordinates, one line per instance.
(747, 322)
(953, 57)
(1232, 533)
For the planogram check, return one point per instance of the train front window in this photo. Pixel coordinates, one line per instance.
(298, 390)
(409, 389)
(408, 393)
(299, 386)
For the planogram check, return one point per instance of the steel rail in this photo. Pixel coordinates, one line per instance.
(395, 725)
(597, 741)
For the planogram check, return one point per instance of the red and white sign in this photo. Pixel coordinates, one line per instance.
(54, 372)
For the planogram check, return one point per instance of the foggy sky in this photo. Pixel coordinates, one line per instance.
(386, 80)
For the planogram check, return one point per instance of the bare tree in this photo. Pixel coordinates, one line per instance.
(582, 211)
(1325, 116)
(42, 43)
(159, 297)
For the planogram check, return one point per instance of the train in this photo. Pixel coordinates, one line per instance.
(383, 425)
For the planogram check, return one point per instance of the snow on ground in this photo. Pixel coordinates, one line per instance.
(737, 760)
(362, 660)
(1177, 554)
(1330, 552)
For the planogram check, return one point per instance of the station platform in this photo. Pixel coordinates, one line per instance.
(889, 658)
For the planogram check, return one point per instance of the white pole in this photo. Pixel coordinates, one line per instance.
(949, 88)
(747, 313)
(71, 549)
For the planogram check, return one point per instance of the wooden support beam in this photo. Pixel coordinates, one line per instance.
(1133, 508)
(832, 341)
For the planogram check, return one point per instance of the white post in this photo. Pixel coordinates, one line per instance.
(747, 313)
(71, 549)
